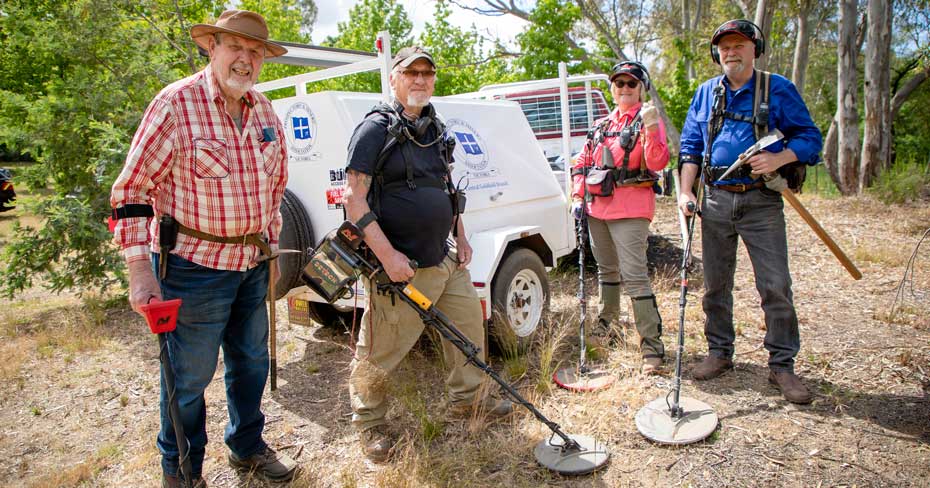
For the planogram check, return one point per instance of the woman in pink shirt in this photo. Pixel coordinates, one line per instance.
(620, 203)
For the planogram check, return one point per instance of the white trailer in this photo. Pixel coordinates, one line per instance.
(516, 218)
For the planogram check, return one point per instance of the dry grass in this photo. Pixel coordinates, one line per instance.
(83, 472)
(866, 427)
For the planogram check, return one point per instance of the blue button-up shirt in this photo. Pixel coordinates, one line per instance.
(787, 113)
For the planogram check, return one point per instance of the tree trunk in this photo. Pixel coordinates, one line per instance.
(829, 152)
(763, 19)
(901, 96)
(847, 115)
(876, 136)
(801, 46)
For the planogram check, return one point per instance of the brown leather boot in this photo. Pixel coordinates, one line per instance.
(171, 481)
(377, 443)
(791, 387)
(711, 367)
(267, 463)
(652, 365)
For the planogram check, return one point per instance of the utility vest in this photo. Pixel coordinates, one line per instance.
(399, 136)
(600, 180)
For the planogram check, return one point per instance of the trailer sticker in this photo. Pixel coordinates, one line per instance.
(471, 150)
(335, 197)
(300, 127)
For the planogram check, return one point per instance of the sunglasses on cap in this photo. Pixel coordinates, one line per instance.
(629, 83)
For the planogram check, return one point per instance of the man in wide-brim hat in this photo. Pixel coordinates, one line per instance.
(210, 156)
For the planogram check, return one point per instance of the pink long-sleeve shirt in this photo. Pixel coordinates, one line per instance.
(626, 202)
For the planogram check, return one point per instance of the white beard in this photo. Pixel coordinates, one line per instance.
(417, 100)
(733, 69)
(240, 86)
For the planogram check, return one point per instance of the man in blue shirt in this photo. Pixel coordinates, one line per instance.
(742, 206)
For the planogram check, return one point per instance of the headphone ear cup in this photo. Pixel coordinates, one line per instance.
(760, 47)
(422, 124)
(714, 54)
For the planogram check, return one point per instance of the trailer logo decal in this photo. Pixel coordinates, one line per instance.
(300, 126)
(470, 148)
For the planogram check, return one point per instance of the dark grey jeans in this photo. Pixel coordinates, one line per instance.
(757, 217)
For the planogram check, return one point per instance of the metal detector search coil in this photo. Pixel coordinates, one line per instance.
(331, 272)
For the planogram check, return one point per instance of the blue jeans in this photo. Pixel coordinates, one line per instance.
(757, 217)
(220, 308)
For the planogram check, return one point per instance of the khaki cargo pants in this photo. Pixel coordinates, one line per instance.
(389, 331)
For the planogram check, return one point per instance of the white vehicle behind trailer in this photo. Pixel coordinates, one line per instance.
(516, 218)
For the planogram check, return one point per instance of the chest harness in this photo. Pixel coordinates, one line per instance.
(794, 173)
(403, 134)
(602, 179)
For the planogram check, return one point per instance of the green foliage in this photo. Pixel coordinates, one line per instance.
(366, 19)
(904, 182)
(677, 94)
(76, 77)
(543, 43)
(285, 20)
(459, 55)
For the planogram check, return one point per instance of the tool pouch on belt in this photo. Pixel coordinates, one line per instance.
(167, 238)
(601, 182)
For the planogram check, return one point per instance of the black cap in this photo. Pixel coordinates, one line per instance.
(408, 55)
(631, 68)
(742, 27)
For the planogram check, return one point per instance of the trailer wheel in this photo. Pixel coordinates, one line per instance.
(520, 292)
(296, 233)
(330, 316)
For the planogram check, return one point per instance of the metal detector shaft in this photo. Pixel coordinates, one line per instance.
(174, 412)
(434, 318)
(674, 408)
(582, 298)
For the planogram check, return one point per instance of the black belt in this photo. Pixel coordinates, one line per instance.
(712, 173)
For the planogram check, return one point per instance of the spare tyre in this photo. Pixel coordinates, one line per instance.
(296, 233)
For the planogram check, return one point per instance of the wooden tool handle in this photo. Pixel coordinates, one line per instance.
(821, 233)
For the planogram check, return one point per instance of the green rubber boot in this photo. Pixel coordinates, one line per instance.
(608, 309)
(649, 326)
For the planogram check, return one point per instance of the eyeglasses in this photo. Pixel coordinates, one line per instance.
(629, 83)
(413, 74)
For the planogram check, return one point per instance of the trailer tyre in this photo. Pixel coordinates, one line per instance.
(520, 293)
(296, 233)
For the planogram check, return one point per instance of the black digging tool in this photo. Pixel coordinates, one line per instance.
(162, 318)
(582, 378)
(337, 262)
(671, 419)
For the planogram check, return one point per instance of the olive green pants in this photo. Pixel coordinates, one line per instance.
(619, 247)
(388, 331)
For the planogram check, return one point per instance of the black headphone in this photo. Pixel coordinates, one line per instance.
(738, 26)
(422, 123)
(644, 78)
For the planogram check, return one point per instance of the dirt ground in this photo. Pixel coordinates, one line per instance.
(79, 397)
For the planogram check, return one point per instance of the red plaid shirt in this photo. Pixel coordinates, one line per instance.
(189, 160)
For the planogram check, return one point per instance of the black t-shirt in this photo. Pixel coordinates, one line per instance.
(417, 222)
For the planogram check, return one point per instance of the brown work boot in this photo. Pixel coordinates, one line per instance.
(652, 365)
(377, 443)
(271, 465)
(791, 387)
(711, 367)
(172, 481)
(489, 408)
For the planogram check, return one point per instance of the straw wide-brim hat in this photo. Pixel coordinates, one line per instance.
(240, 23)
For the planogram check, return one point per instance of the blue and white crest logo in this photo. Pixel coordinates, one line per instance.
(300, 127)
(470, 148)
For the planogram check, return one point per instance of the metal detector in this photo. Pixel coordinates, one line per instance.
(672, 419)
(162, 318)
(335, 265)
(582, 378)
